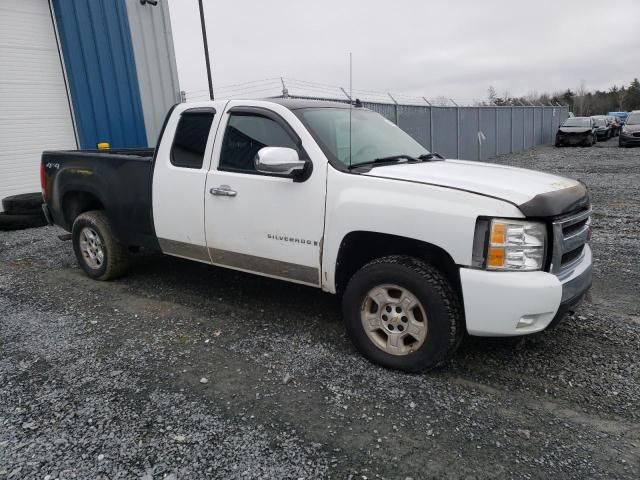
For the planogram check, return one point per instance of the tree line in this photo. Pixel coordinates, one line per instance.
(582, 102)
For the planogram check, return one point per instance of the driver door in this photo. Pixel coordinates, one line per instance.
(262, 223)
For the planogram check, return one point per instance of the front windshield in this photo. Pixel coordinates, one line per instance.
(633, 119)
(372, 135)
(576, 122)
(600, 122)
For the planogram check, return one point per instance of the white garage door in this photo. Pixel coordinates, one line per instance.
(34, 111)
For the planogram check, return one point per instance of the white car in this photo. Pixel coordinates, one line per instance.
(420, 248)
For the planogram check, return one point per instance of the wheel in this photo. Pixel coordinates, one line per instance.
(10, 222)
(100, 255)
(402, 313)
(23, 204)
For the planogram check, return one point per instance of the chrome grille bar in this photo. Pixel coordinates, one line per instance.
(565, 242)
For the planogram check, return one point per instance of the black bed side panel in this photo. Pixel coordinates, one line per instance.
(117, 181)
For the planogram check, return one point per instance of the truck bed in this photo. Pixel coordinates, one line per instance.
(116, 180)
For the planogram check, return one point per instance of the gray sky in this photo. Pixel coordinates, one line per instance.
(453, 48)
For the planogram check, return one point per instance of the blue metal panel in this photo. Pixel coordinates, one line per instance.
(98, 55)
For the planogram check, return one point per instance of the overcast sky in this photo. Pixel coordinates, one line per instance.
(454, 48)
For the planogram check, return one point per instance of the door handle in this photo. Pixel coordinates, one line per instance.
(223, 191)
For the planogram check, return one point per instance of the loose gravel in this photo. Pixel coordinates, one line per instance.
(181, 370)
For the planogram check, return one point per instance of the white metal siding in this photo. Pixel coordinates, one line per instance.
(34, 110)
(155, 62)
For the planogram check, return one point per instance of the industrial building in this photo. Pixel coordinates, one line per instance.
(74, 73)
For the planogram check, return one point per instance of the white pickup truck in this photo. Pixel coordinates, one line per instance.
(420, 248)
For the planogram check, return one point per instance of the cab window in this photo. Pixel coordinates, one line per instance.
(245, 135)
(190, 140)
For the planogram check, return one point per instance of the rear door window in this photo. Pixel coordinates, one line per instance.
(190, 140)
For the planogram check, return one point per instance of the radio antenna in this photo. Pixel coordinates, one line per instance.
(350, 100)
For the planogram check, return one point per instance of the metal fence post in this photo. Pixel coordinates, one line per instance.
(395, 106)
(511, 130)
(495, 111)
(533, 126)
(457, 132)
(479, 141)
(524, 125)
(431, 128)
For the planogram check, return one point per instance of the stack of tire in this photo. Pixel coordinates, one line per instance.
(22, 211)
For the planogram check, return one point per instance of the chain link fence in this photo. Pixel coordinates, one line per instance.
(455, 128)
(472, 133)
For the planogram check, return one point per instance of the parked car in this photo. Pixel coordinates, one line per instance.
(630, 133)
(576, 131)
(603, 128)
(421, 249)
(621, 115)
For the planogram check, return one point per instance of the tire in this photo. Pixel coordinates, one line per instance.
(436, 302)
(23, 204)
(21, 222)
(100, 255)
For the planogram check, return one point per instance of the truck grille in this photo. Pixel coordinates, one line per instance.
(570, 235)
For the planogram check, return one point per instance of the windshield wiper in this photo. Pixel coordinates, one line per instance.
(389, 159)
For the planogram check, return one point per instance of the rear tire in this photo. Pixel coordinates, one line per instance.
(99, 254)
(23, 204)
(402, 313)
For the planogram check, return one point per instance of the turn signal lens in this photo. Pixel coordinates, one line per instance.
(43, 179)
(498, 234)
(495, 257)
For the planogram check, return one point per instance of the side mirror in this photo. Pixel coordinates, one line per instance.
(279, 160)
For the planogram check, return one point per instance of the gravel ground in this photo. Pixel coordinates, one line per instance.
(181, 370)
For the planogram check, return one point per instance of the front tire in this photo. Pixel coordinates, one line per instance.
(402, 313)
(99, 254)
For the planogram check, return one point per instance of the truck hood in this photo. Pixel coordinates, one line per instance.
(537, 194)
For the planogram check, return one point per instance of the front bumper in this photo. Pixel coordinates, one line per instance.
(577, 139)
(499, 304)
(629, 140)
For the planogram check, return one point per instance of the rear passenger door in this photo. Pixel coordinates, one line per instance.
(180, 171)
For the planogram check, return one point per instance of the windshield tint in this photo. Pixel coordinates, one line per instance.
(372, 135)
(576, 122)
(633, 119)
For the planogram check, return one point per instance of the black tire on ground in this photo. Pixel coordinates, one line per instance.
(21, 222)
(115, 261)
(23, 204)
(442, 306)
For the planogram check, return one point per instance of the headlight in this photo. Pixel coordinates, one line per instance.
(511, 245)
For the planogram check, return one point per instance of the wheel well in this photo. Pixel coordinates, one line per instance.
(359, 248)
(75, 203)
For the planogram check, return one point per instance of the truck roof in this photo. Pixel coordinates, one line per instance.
(298, 103)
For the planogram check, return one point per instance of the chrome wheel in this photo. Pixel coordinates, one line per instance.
(91, 248)
(394, 319)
